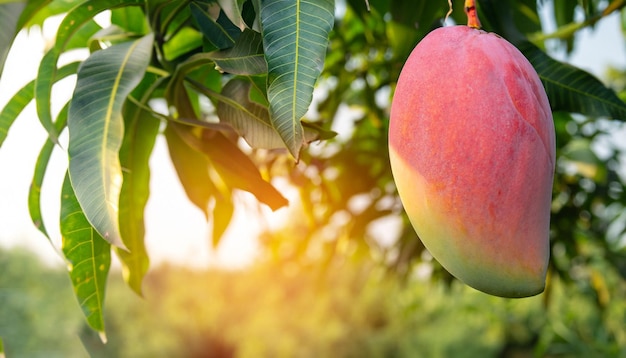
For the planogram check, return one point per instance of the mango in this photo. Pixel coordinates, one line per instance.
(472, 153)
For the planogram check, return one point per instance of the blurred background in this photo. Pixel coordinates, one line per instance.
(339, 272)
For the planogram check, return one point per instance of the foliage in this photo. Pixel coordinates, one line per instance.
(277, 310)
(206, 74)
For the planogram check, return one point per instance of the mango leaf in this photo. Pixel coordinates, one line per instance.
(571, 89)
(41, 165)
(183, 42)
(192, 169)
(89, 258)
(71, 24)
(222, 214)
(564, 11)
(295, 38)
(233, 166)
(564, 15)
(525, 15)
(84, 37)
(251, 119)
(22, 98)
(9, 16)
(245, 57)
(233, 9)
(218, 33)
(38, 11)
(141, 129)
(96, 130)
(130, 18)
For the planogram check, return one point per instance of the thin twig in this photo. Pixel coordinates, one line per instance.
(449, 11)
(566, 31)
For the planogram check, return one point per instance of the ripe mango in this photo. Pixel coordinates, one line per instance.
(472, 152)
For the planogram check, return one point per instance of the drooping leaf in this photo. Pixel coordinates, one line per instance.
(89, 257)
(141, 129)
(13, 108)
(232, 165)
(96, 130)
(22, 98)
(564, 11)
(233, 10)
(245, 57)
(222, 215)
(41, 165)
(218, 36)
(192, 169)
(8, 115)
(571, 89)
(9, 16)
(70, 25)
(525, 15)
(295, 38)
(38, 11)
(251, 119)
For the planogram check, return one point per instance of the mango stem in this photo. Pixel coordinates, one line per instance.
(472, 14)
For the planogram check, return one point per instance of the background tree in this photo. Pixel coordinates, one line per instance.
(230, 86)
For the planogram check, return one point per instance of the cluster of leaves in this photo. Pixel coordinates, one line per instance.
(210, 75)
(222, 70)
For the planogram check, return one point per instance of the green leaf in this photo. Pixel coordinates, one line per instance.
(214, 32)
(34, 192)
(233, 9)
(22, 98)
(232, 165)
(192, 168)
(251, 119)
(564, 11)
(295, 38)
(72, 23)
(89, 258)
(141, 129)
(8, 115)
(186, 40)
(13, 108)
(38, 11)
(83, 37)
(245, 58)
(96, 130)
(571, 89)
(130, 18)
(222, 215)
(9, 16)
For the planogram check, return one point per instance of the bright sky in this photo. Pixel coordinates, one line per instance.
(176, 230)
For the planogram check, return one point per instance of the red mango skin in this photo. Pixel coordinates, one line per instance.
(472, 151)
